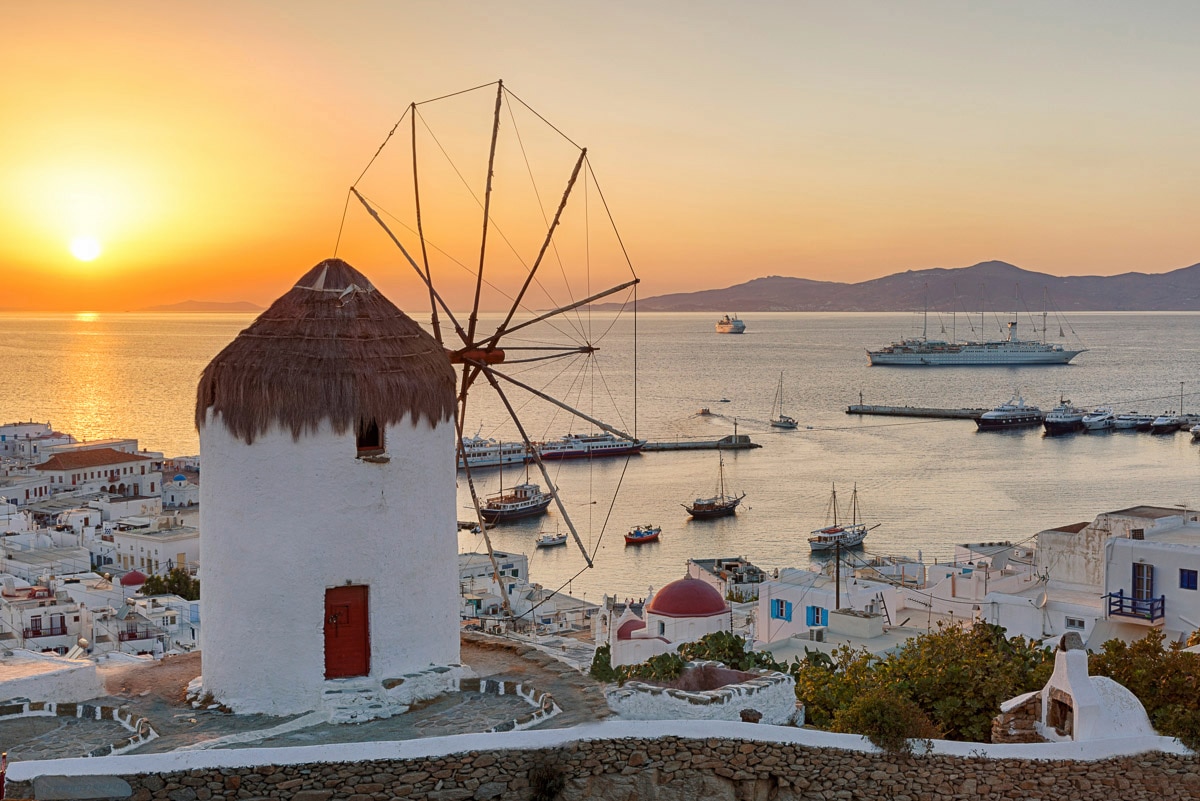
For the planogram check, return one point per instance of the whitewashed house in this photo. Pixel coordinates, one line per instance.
(155, 546)
(327, 498)
(38, 616)
(1111, 578)
(30, 442)
(180, 493)
(798, 601)
(733, 576)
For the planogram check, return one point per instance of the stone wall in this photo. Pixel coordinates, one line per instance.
(551, 765)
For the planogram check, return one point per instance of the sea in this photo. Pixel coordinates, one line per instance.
(928, 484)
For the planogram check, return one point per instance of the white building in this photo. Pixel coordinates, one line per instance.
(180, 493)
(1111, 578)
(102, 470)
(39, 616)
(683, 611)
(798, 601)
(327, 498)
(30, 442)
(732, 576)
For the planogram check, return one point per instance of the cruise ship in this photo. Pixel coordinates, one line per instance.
(1009, 351)
(486, 452)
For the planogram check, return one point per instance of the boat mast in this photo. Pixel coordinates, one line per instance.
(837, 575)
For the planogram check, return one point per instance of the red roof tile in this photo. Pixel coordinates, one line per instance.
(77, 460)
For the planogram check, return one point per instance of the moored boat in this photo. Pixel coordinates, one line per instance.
(1065, 418)
(921, 352)
(523, 500)
(719, 505)
(844, 535)
(1166, 423)
(1195, 432)
(577, 446)
(730, 325)
(1099, 419)
(1014, 414)
(1133, 420)
(640, 534)
(486, 452)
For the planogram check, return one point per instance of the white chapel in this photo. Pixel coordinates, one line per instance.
(328, 492)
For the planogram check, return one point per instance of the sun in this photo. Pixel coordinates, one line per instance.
(85, 248)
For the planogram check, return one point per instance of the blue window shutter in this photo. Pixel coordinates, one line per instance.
(824, 617)
(787, 611)
(810, 615)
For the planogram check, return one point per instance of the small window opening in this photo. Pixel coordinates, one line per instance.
(370, 438)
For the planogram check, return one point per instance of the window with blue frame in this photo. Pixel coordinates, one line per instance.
(1187, 579)
(816, 616)
(781, 610)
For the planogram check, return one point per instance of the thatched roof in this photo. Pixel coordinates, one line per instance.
(333, 348)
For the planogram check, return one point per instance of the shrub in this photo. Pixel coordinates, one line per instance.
(886, 718)
(602, 669)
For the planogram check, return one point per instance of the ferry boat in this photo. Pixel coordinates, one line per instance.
(844, 535)
(1064, 418)
(640, 534)
(523, 500)
(1010, 351)
(1013, 414)
(487, 452)
(730, 325)
(574, 446)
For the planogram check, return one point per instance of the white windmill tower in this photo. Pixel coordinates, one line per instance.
(328, 493)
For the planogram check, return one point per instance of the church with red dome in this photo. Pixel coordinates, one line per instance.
(683, 611)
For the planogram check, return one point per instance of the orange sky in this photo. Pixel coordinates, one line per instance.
(207, 148)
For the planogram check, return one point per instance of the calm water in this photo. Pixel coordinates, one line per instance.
(930, 484)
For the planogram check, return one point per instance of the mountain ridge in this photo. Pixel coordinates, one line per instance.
(998, 283)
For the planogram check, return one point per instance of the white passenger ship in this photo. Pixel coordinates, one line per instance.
(1008, 351)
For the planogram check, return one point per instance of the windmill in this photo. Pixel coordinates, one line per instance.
(536, 261)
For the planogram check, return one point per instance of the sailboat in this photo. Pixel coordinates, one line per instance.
(779, 419)
(836, 534)
(720, 504)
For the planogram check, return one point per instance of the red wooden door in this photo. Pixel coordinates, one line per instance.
(347, 639)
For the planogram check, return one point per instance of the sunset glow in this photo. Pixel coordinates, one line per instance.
(205, 152)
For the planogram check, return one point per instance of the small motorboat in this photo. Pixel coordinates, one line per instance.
(548, 540)
(644, 533)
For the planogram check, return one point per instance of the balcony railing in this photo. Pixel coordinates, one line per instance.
(1151, 609)
(47, 631)
(142, 633)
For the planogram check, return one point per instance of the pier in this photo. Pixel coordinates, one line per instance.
(915, 411)
(733, 442)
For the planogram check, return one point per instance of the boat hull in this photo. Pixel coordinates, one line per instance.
(638, 539)
(1014, 421)
(708, 513)
(1056, 427)
(821, 547)
(971, 357)
(492, 515)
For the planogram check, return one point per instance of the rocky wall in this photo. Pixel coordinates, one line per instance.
(669, 768)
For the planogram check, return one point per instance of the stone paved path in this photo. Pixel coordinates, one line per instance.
(157, 692)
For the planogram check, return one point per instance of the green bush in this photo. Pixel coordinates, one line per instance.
(602, 669)
(886, 718)
(177, 582)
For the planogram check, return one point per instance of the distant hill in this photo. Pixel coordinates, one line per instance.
(206, 306)
(996, 282)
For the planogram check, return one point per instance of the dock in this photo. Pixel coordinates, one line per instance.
(915, 411)
(733, 442)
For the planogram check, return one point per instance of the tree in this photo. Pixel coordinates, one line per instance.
(177, 582)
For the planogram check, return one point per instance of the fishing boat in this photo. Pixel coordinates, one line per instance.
(719, 505)
(844, 535)
(1014, 414)
(644, 533)
(778, 418)
(523, 500)
(548, 539)
(576, 446)
(730, 325)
